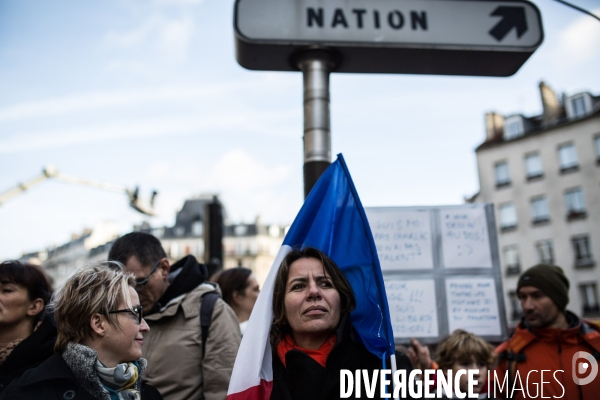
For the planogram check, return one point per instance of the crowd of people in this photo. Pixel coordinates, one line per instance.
(138, 327)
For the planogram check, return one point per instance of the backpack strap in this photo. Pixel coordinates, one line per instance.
(590, 333)
(512, 352)
(206, 312)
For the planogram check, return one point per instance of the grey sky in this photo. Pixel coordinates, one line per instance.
(149, 93)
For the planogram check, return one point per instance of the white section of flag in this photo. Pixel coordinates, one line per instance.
(253, 361)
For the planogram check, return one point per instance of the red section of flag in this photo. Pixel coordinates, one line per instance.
(259, 392)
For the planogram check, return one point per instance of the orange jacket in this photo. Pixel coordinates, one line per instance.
(528, 352)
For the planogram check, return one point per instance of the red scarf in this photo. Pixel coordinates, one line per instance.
(320, 355)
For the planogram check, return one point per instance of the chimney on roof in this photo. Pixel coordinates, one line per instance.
(550, 104)
(494, 126)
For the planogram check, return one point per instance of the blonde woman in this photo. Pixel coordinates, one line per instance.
(99, 342)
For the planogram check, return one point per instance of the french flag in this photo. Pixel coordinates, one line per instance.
(332, 220)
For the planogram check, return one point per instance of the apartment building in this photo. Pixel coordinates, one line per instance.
(542, 173)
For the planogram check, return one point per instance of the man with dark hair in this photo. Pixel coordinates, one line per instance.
(543, 358)
(182, 363)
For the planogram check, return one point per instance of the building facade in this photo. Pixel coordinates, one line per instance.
(542, 173)
(89, 246)
(252, 245)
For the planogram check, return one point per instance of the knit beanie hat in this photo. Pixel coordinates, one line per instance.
(551, 280)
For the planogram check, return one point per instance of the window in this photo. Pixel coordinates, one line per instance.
(240, 230)
(589, 299)
(567, 157)
(583, 252)
(174, 250)
(158, 232)
(197, 228)
(575, 205)
(253, 247)
(274, 231)
(545, 251)
(502, 175)
(513, 127)
(515, 305)
(533, 165)
(508, 216)
(511, 260)
(579, 105)
(539, 209)
(239, 249)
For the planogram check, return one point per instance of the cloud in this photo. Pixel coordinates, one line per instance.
(172, 35)
(22, 142)
(105, 99)
(579, 42)
(238, 172)
(262, 122)
(177, 2)
(247, 186)
(267, 85)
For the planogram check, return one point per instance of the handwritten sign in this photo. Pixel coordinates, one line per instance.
(402, 238)
(422, 249)
(465, 240)
(473, 306)
(412, 308)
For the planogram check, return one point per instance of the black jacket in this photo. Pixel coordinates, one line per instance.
(54, 380)
(30, 353)
(303, 378)
(186, 275)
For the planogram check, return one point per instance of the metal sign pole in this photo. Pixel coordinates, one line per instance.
(316, 66)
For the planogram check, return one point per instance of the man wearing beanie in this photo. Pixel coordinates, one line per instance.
(540, 358)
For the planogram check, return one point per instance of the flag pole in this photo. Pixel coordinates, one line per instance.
(394, 369)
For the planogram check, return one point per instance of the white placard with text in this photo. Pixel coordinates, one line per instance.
(465, 239)
(413, 307)
(402, 238)
(473, 306)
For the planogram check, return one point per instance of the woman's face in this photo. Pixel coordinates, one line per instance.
(481, 376)
(15, 306)
(246, 299)
(312, 303)
(125, 344)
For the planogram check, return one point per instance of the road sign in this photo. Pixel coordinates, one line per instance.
(450, 37)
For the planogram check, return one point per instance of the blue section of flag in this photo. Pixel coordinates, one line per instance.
(333, 220)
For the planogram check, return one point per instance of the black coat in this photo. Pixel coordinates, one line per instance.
(303, 378)
(54, 380)
(31, 352)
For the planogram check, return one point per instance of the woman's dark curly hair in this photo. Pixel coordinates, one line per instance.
(280, 326)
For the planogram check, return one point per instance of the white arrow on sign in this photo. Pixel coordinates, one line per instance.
(440, 24)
